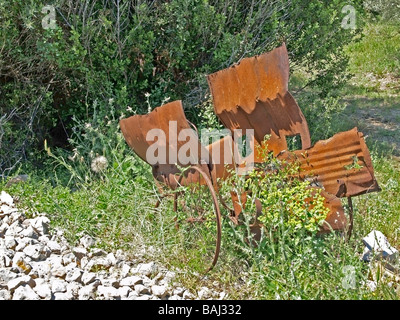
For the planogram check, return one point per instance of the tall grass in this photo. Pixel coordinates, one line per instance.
(119, 212)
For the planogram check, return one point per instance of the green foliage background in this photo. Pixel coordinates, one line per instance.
(102, 51)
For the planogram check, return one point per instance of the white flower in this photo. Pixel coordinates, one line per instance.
(99, 164)
(72, 158)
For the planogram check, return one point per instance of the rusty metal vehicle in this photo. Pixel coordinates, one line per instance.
(252, 94)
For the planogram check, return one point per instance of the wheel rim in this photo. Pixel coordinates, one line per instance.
(199, 219)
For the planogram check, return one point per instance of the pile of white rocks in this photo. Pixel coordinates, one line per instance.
(36, 265)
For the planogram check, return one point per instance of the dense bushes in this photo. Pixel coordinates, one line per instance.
(388, 10)
(119, 51)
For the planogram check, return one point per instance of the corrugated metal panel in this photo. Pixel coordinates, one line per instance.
(341, 164)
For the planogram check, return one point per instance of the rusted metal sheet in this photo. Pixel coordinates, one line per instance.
(136, 130)
(254, 95)
(336, 218)
(341, 165)
(169, 120)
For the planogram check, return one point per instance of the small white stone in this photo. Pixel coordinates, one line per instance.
(125, 270)
(88, 292)
(79, 252)
(23, 243)
(6, 257)
(6, 210)
(3, 229)
(25, 292)
(146, 269)
(29, 232)
(74, 275)
(41, 225)
(43, 290)
(141, 289)
(14, 229)
(58, 271)
(111, 258)
(110, 282)
(178, 291)
(62, 296)
(5, 261)
(44, 239)
(132, 296)
(143, 297)
(124, 292)
(5, 295)
(83, 262)
(187, 295)
(377, 243)
(54, 246)
(68, 258)
(159, 291)
(108, 292)
(5, 220)
(87, 241)
(6, 275)
(23, 280)
(131, 281)
(59, 285)
(88, 277)
(204, 293)
(41, 269)
(73, 289)
(147, 281)
(36, 252)
(10, 242)
(6, 198)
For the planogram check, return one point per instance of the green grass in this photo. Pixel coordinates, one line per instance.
(378, 52)
(119, 212)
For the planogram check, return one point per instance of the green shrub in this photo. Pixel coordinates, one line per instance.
(377, 52)
(102, 50)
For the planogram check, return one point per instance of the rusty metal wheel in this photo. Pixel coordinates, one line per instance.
(199, 221)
